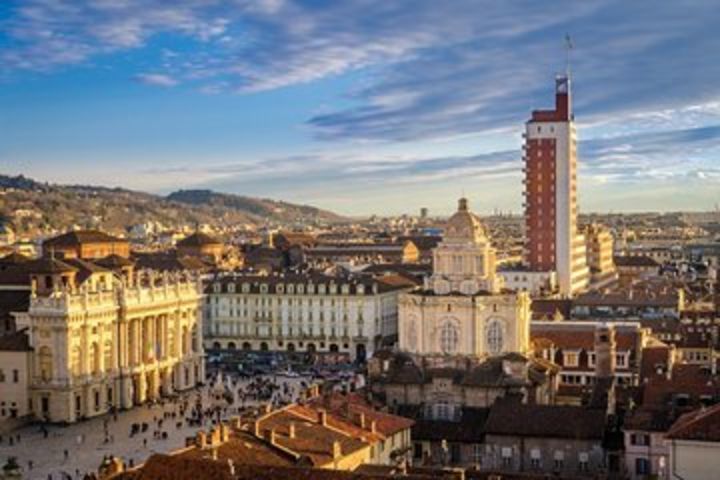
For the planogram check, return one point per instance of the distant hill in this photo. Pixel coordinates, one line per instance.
(33, 207)
(264, 208)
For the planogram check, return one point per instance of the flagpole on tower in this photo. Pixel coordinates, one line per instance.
(568, 48)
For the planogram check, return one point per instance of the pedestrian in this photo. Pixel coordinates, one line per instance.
(66, 454)
(30, 464)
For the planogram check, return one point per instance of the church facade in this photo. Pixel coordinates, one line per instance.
(464, 340)
(462, 309)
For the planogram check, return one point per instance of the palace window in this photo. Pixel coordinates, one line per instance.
(571, 359)
(494, 337)
(535, 459)
(448, 338)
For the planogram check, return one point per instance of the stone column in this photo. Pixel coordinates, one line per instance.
(154, 390)
(84, 352)
(127, 393)
(167, 386)
(141, 394)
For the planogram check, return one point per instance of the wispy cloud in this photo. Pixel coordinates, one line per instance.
(432, 69)
(158, 79)
(632, 163)
(647, 96)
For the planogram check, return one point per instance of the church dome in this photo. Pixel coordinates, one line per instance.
(464, 225)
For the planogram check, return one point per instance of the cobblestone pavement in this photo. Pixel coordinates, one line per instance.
(85, 441)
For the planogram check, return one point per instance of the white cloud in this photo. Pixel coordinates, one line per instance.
(158, 79)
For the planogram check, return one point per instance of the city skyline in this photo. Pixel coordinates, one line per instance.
(360, 107)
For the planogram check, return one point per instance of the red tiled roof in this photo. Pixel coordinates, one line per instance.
(350, 406)
(701, 425)
(15, 342)
(78, 237)
(576, 336)
(198, 239)
(549, 421)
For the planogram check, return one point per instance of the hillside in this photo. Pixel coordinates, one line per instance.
(33, 207)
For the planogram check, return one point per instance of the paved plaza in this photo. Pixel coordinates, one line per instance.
(86, 442)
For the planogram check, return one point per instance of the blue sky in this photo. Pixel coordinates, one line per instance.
(361, 106)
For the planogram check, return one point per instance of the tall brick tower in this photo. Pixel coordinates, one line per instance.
(552, 239)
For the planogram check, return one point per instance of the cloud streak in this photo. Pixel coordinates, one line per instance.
(158, 79)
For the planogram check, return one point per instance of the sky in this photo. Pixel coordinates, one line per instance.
(361, 106)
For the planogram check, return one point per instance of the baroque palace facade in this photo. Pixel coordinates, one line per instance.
(103, 336)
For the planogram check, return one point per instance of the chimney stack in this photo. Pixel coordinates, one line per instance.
(362, 420)
(373, 426)
(272, 437)
(201, 439)
(605, 347)
(336, 450)
(322, 414)
(291, 430)
(237, 422)
(256, 428)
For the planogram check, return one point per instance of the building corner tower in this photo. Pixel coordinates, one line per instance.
(553, 242)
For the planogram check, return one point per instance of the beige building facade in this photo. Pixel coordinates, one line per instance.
(461, 310)
(310, 313)
(103, 341)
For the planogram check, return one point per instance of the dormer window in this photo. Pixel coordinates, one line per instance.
(279, 288)
(217, 287)
(571, 359)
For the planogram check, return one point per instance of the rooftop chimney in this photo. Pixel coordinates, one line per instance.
(336, 450)
(605, 346)
(237, 422)
(224, 433)
(291, 430)
(322, 418)
(201, 439)
(373, 426)
(361, 419)
(272, 437)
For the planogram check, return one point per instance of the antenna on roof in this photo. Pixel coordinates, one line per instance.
(569, 46)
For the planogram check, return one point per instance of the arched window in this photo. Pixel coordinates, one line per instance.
(494, 337)
(45, 360)
(448, 338)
